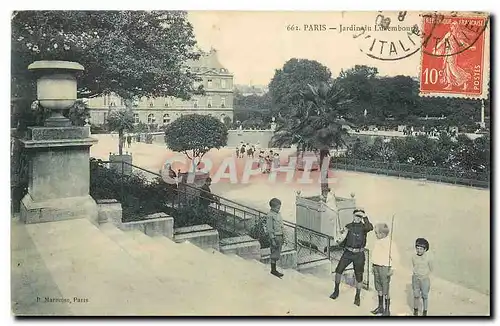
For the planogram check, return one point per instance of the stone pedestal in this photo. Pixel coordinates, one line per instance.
(59, 175)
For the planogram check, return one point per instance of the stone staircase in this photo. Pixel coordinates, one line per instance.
(74, 267)
(101, 271)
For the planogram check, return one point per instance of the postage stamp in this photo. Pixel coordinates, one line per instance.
(455, 55)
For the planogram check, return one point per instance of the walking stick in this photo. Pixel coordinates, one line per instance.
(390, 241)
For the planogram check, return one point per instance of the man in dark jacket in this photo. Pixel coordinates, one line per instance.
(206, 196)
(354, 252)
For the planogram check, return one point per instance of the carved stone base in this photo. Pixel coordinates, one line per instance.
(58, 209)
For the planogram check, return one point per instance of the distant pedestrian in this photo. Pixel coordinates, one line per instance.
(206, 196)
(262, 166)
(274, 229)
(267, 162)
(276, 160)
(420, 281)
(242, 151)
(249, 152)
(129, 141)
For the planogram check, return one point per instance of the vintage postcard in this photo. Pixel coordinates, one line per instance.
(198, 163)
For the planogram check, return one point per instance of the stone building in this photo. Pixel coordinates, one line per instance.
(217, 100)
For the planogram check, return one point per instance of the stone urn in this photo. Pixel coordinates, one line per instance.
(58, 153)
(56, 88)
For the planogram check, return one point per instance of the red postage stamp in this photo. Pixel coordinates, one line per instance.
(455, 55)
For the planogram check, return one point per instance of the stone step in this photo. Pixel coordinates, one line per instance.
(299, 283)
(207, 280)
(86, 264)
(240, 276)
(323, 287)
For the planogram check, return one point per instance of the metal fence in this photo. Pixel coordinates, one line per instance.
(142, 192)
(452, 176)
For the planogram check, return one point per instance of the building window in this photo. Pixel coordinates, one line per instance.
(166, 118)
(136, 118)
(151, 102)
(222, 102)
(105, 117)
(222, 83)
(209, 102)
(209, 83)
(167, 103)
(195, 103)
(105, 100)
(151, 118)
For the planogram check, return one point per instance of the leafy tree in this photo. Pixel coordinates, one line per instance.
(130, 53)
(319, 125)
(292, 80)
(252, 107)
(78, 113)
(195, 135)
(120, 120)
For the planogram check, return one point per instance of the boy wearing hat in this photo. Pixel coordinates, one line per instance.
(274, 228)
(354, 245)
(422, 267)
(383, 255)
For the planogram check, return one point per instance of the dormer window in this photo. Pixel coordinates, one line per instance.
(209, 83)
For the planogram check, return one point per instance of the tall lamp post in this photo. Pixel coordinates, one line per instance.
(59, 174)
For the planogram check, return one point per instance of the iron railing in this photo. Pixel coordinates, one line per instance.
(452, 176)
(143, 192)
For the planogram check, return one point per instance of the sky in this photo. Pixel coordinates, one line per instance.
(252, 45)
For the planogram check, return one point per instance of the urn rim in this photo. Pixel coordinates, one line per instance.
(56, 65)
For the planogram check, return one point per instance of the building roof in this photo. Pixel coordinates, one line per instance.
(208, 63)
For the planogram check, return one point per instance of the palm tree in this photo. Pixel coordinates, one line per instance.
(317, 124)
(121, 120)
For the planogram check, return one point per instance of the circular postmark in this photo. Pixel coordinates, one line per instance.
(391, 36)
(452, 33)
(399, 35)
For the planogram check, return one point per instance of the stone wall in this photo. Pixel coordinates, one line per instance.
(203, 236)
(288, 258)
(244, 246)
(249, 136)
(152, 225)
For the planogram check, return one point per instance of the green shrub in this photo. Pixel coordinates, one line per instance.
(257, 232)
(141, 195)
